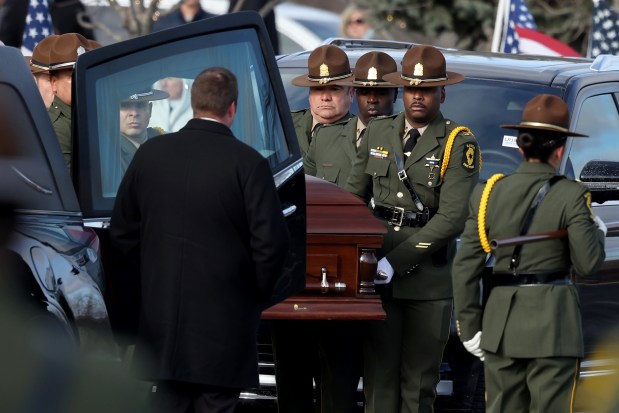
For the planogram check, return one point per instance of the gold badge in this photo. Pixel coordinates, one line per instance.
(324, 70)
(372, 74)
(418, 70)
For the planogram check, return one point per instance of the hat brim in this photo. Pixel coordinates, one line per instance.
(396, 79)
(34, 70)
(532, 127)
(155, 95)
(303, 81)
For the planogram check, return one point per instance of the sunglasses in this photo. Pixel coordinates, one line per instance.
(356, 21)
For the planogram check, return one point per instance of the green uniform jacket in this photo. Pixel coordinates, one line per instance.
(534, 321)
(303, 120)
(60, 115)
(431, 247)
(332, 152)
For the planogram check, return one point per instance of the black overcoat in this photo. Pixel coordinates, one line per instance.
(200, 209)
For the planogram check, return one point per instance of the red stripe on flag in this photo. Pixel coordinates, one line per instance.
(534, 42)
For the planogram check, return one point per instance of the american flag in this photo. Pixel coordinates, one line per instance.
(604, 30)
(38, 25)
(519, 15)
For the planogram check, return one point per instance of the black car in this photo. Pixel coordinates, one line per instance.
(495, 91)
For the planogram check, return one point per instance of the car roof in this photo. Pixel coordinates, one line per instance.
(544, 70)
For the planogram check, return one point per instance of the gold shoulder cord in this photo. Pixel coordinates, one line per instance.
(483, 206)
(450, 142)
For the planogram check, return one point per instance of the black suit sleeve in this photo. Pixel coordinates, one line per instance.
(269, 237)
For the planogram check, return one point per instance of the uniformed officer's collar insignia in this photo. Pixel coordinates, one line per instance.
(432, 162)
(324, 70)
(372, 73)
(418, 71)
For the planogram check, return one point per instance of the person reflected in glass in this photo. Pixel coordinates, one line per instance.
(135, 112)
(172, 113)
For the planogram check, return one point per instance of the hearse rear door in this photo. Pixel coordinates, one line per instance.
(239, 42)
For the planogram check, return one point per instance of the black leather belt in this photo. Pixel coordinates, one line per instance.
(400, 217)
(557, 278)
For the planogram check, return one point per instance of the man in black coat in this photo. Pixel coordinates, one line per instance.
(201, 210)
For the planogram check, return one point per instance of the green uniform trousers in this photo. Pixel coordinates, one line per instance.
(401, 353)
(530, 385)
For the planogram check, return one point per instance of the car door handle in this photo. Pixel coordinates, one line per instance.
(289, 210)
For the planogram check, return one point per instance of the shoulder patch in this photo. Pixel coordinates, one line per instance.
(470, 157)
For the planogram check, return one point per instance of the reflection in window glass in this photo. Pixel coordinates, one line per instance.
(170, 68)
(598, 118)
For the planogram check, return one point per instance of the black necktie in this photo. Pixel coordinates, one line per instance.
(413, 134)
(358, 140)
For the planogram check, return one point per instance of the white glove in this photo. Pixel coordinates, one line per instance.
(601, 225)
(472, 346)
(385, 270)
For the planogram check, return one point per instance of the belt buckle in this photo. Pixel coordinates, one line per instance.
(394, 216)
(402, 175)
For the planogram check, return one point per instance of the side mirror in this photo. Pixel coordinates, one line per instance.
(602, 179)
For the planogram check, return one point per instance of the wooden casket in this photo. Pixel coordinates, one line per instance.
(342, 239)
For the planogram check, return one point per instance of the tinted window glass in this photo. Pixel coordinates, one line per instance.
(599, 119)
(257, 122)
(483, 106)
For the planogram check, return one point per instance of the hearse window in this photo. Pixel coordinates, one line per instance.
(599, 119)
(257, 122)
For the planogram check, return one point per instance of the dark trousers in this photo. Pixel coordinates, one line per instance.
(532, 385)
(402, 355)
(180, 397)
(327, 352)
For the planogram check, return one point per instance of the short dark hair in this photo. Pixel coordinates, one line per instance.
(213, 91)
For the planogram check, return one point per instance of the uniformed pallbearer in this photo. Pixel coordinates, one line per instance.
(57, 55)
(419, 189)
(530, 332)
(308, 352)
(334, 147)
(330, 93)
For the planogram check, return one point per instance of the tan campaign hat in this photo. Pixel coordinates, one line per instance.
(327, 65)
(424, 66)
(370, 69)
(58, 52)
(546, 112)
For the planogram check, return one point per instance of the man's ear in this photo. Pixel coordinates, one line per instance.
(150, 108)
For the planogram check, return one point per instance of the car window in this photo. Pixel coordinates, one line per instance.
(598, 118)
(257, 122)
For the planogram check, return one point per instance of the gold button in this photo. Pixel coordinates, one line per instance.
(429, 183)
(399, 194)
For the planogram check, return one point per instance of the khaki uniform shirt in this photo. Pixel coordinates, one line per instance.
(530, 321)
(420, 256)
(303, 123)
(332, 152)
(60, 115)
